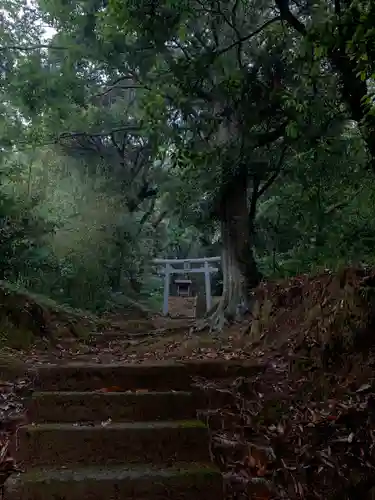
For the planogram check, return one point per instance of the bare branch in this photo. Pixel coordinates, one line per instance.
(128, 128)
(342, 204)
(147, 214)
(232, 23)
(119, 149)
(248, 36)
(135, 84)
(122, 78)
(266, 138)
(25, 48)
(275, 174)
(118, 87)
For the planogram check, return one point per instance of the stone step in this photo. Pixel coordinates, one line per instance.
(107, 337)
(117, 406)
(180, 482)
(53, 445)
(153, 376)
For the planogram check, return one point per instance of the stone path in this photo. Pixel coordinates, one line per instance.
(111, 432)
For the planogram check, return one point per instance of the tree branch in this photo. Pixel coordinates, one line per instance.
(253, 202)
(147, 214)
(118, 87)
(269, 137)
(275, 174)
(287, 16)
(26, 48)
(246, 37)
(342, 204)
(128, 128)
(119, 149)
(159, 219)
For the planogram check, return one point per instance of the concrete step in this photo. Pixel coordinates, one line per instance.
(153, 376)
(180, 482)
(115, 443)
(46, 407)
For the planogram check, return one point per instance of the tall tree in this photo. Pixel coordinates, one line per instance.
(217, 72)
(219, 100)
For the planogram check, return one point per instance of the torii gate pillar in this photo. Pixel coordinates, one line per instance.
(170, 268)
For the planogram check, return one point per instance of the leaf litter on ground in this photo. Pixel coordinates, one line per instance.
(12, 415)
(302, 429)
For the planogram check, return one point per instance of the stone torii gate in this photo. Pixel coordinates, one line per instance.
(173, 266)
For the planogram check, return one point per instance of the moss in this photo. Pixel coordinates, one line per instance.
(26, 317)
(206, 470)
(116, 471)
(192, 423)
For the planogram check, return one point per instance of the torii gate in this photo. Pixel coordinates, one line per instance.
(187, 267)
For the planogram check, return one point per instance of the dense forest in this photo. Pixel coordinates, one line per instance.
(135, 130)
(176, 128)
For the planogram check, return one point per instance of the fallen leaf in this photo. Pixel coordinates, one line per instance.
(363, 388)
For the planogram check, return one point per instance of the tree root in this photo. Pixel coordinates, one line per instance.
(214, 321)
(220, 316)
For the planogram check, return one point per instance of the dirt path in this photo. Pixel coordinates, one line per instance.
(140, 342)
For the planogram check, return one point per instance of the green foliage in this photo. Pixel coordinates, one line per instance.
(23, 233)
(321, 215)
(124, 127)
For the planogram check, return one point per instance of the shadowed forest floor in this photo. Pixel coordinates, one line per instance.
(302, 428)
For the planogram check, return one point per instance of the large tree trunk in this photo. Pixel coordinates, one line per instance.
(240, 272)
(356, 96)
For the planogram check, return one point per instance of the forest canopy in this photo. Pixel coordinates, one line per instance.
(182, 128)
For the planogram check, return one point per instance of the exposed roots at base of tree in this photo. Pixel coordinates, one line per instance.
(214, 321)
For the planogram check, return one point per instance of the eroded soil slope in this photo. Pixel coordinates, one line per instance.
(305, 427)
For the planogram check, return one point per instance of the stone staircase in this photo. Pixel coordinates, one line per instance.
(111, 432)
